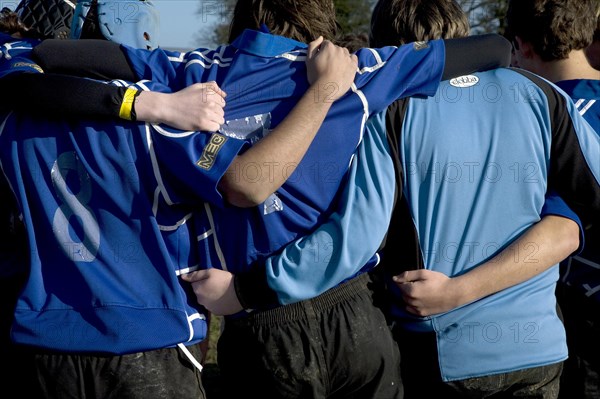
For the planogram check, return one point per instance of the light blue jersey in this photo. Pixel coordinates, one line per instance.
(471, 195)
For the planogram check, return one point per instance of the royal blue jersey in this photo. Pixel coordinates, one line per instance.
(109, 215)
(264, 76)
(582, 271)
(471, 194)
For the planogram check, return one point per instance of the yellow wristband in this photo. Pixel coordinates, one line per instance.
(127, 105)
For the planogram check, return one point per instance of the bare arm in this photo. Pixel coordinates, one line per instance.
(548, 242)
(215, 288)
(279, 152)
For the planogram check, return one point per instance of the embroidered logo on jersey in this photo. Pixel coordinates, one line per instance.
(211, 150)
(464, 81)
(27, 65)
(420, 45)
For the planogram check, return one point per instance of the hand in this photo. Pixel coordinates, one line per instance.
(214, 290)
(197, 107)
(426, 292)
(330, 69)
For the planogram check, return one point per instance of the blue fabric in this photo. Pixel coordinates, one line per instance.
(351, 235)
(265, 74)
(582, 271)
(470, 196)
(108, 234)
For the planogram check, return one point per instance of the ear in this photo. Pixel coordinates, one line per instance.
(525, 48)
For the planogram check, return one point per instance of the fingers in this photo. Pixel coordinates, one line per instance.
(214, 87)
(196, 276)
(313, 47)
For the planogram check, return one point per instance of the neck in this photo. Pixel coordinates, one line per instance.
(575, 66)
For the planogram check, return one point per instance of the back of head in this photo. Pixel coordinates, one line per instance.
(302, 20)
(131, 22)
(553, 27)
(11, 24)
(47, 18)
(592, 52)
(396, 22)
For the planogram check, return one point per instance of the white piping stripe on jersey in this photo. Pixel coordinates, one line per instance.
(191, 358)
(155, 201)
(590, 291)
(579, 102)
(292, 57)
(155, 167)
(220, 55)
(208, 65)
(587, 262)
(4, 123)
(376, 55)
(365, 103)
(177, 59)
(216, 240)
(176, 225)
(205, 235)
(70, 3)
(190, 319)
(371, 68)
(588, 106)
(181, 134)
(375, 67)
(187, 270)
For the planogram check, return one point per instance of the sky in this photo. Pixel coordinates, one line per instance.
(182, 22)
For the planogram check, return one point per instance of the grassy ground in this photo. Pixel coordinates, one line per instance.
(211, 378)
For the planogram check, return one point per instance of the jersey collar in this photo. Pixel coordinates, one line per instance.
(263, 44)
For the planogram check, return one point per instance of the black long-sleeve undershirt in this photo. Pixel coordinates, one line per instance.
(61, 93)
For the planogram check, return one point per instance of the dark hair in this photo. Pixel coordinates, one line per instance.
(553, 27)
(11, 24)
(396, 22)
(353, 41)
(302, 20)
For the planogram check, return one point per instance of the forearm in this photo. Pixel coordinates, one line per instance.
(334, 252)
(276, 155)
(544, 245)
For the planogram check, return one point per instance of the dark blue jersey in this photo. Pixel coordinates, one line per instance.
(109, 213)
(264, 76)
(582, 271)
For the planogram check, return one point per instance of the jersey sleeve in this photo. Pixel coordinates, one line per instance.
(390, 73)
(158, 65)
(191, 164)
(338, 249)
(416, 69)
(555, 205)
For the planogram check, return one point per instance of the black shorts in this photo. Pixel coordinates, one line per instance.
(335, 345)
(160, 374)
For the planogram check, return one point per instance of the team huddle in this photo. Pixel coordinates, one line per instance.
(411, 217)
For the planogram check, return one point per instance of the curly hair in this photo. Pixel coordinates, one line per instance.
(302, 20)
(553, 27)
